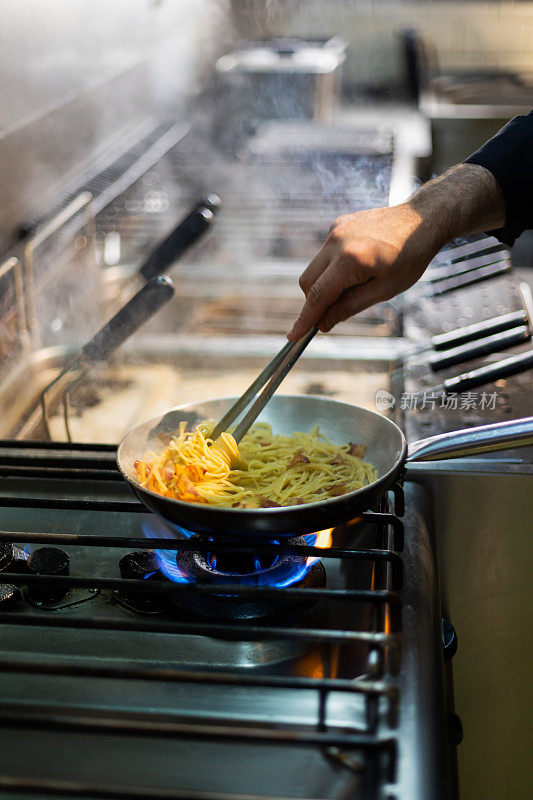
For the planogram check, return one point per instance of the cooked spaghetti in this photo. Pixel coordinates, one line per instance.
(266, 470)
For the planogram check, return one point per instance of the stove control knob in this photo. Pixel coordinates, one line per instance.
(449, 639)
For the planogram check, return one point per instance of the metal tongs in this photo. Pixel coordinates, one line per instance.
(272, 376)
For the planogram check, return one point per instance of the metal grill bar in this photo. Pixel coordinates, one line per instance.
(17, 471)
(30, 444)
(171, 588)
(19, 718)
(24, 471)
(384, 519)
(251, 632)
(136, 506)
(74, 504)
(167, 675)
(111, 792)
(43, 463)
(71, 455)
(129, 542)
(197, 545)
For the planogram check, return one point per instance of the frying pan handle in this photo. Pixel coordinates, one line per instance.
(138, 310)
(482, 347)
(473, 441)
(210, 201)
(471, 278)
(173, 246)
(489, 373)
(488, 327)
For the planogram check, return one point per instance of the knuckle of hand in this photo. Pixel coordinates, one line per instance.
(337, 230)
(303, 283)
(314, 294)
(359, 251)
(344, 310)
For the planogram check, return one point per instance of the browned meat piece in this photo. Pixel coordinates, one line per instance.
(358, 450)
(264, 503)
(298, 458)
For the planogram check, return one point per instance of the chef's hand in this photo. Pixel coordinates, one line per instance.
(368, 256)
(373, 255)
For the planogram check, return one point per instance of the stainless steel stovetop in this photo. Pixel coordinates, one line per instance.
(342, 697)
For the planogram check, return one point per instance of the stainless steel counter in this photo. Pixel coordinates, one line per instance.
(483, 529)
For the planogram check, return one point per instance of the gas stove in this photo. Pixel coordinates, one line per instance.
(143, 661)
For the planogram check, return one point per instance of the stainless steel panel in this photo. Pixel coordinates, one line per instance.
(483, 527)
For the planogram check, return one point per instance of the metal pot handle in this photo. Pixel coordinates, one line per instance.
(473, 441)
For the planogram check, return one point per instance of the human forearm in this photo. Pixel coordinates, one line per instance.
(466, 199)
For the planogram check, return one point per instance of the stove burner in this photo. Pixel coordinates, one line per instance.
(10, 596)
(247, 570)
(13, 558)
(7, 554)
(48, 561)
(238, 563)
(142, 565)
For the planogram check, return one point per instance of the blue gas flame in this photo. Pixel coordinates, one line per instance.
(278, 574)
(167, 558)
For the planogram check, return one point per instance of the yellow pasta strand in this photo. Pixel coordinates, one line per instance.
(280, 470)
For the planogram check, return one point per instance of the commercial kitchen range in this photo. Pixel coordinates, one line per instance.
(322, 674)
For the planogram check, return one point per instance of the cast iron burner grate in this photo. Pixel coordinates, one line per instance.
(216, 567)
(54, 476)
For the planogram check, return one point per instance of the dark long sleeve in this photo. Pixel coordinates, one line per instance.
(509, 156)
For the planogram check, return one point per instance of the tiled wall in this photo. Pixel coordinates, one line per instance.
(466, 34)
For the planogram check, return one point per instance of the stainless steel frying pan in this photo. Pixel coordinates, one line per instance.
(341, 423)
